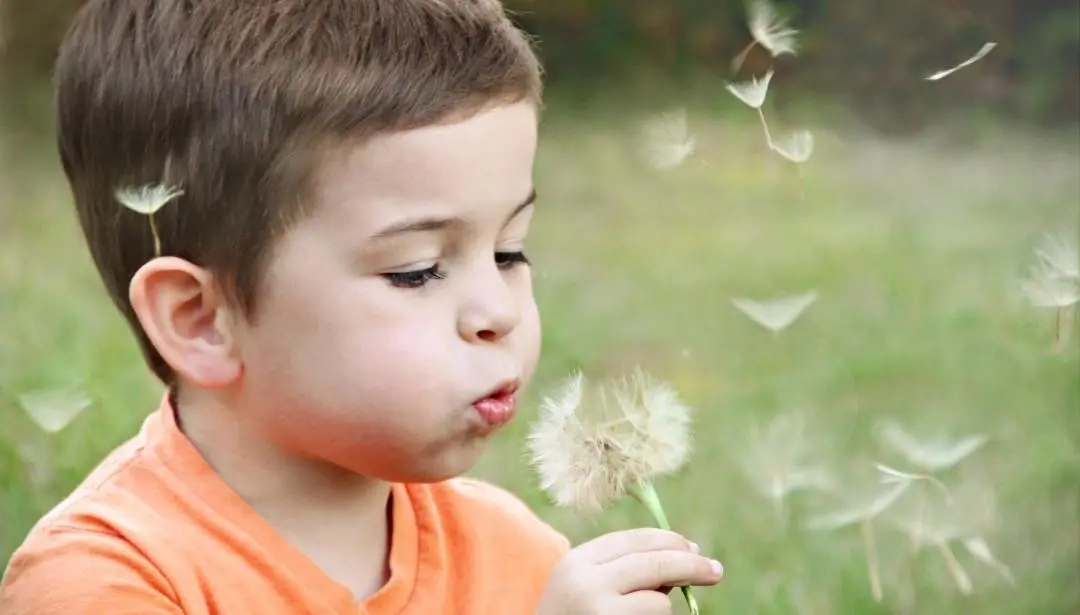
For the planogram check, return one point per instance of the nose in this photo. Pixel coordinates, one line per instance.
(491, 309)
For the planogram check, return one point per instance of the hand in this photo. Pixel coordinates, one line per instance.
(626, 573)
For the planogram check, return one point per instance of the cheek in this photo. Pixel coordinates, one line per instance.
(531, 334)
(339, 354)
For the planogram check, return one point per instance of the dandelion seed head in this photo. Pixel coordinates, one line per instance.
(753, 92)
(147, 199)
(796, 147)
(591, 445)
(770, 30)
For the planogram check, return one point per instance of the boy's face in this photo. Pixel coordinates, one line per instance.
(400, 302)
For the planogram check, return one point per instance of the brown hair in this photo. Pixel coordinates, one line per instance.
(232, 100)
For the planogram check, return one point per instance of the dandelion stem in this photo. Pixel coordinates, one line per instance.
(646, 494)
(154, 232)
(963, 581)
(871, 559)
(737, 62)
(765, 125)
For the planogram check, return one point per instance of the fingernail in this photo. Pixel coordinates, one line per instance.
(695, 548)
(717, 568)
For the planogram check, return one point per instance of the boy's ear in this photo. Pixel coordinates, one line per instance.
(187, 319)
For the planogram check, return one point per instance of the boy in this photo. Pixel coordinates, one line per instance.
(341, 312)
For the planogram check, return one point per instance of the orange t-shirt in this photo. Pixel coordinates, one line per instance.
(153, 531)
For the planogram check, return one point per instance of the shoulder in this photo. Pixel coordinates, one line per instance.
(503, 512)
(65, 570)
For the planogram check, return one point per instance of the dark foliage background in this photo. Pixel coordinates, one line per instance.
(869, 55)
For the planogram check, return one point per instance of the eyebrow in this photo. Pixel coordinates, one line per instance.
(414, 225)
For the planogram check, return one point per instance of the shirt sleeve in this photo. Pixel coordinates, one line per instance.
(67, 571)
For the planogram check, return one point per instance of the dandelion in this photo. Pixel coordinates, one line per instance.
(769, 30)
(667, 139)
(864, 513)
(776, 314)
(54, 409)
(980, 54)
(147, 200)
(591, 447)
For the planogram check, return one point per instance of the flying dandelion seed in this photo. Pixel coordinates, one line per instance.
(932, 456)
(666, 139)
(778, 461)
(980, 550)
(753, 93)
(769, 30)
(147, 200)
(892, 476)
(778, 314)
(864, 513)
(796, 147)
(1045, 289)
(591, 447)
(54, 409)
(1054, 282)
(1059, 255)
(936, 524)
(867, 510)
(941, 74)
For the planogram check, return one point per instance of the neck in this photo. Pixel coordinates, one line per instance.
(325, 511)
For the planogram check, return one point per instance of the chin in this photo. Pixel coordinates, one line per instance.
(451, 465)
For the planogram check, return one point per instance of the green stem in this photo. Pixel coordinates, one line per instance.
(646, 494)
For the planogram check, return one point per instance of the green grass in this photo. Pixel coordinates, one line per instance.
(914, 246)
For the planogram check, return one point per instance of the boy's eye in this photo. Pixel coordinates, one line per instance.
(507, 260)
(415, 279)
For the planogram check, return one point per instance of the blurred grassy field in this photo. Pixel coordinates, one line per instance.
(915, 247)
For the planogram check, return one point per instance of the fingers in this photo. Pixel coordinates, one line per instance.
(610, 547)
(648, 570)
(644, 603)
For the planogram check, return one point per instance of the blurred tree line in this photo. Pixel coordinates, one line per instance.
(872, 55)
